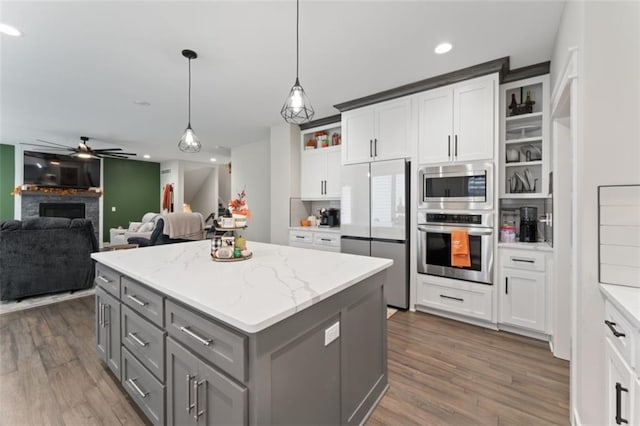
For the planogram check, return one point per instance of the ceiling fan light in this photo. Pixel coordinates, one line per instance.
(297, 108)
(189, 142)
(83, 155)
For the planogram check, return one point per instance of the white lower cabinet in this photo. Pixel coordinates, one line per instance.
(523, 296)
(461, 297)
(315, 239)
(619, 385)
(523, 299)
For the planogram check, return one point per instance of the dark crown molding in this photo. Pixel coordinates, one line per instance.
(497, 65)
(321, 122)
(527, 72)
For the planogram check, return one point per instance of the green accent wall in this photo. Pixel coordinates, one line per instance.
(7, 180)
(133, 188)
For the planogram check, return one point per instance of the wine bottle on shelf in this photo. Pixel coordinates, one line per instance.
(528, 101)
(513, 103)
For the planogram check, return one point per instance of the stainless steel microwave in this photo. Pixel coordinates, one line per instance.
(457, 186)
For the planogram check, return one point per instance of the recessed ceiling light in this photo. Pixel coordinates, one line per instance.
(212, 159)
(443, 48)
(9, 30)
(142, 103)
(146, 156)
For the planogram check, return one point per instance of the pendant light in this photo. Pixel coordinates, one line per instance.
(297, 109)
(189, 142)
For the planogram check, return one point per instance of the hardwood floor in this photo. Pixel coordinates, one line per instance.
(440, 372)
(443, 372)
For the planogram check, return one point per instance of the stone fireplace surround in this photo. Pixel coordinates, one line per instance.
(31, 205)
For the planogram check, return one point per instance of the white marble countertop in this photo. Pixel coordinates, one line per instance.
(527, 246)
(251, 295)
(334, 230)
(626, 299)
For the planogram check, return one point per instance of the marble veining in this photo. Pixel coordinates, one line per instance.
(251, 295)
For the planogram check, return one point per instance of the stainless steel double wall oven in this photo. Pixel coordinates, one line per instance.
(456, 197)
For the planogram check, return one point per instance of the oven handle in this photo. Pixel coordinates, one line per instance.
(447, 229)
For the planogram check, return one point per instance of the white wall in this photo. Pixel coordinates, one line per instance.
(205, 201)
(250, 170)
(172, 172)
(224, 184)
(608, 39)
(285, 178)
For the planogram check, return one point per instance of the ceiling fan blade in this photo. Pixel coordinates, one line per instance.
(106, 155)
(48, 146)
(53, 143)
(107, 149)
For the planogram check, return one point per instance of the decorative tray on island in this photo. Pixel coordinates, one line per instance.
(231, 259)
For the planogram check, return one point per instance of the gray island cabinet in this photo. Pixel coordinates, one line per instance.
(291, 336)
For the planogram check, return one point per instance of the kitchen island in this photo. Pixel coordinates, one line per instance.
(290, 336)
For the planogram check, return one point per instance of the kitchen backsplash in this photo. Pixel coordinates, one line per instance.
(299, 209)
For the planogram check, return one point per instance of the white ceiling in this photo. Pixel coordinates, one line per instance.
(80, 65)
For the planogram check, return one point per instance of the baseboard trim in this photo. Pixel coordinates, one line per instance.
(34, 302)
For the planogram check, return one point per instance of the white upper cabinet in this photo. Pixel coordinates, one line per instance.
(320, 163)
(474, 108)
(435, 126)
(457, 122)
(377, 132)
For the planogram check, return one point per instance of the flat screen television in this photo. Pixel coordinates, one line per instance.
(62, 171)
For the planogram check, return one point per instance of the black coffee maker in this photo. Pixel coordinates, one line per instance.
(329, 217)
(528, 224)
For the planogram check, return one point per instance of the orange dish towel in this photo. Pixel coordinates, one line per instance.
(460, 256)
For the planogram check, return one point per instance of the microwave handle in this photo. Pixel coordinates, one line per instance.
(447, 229)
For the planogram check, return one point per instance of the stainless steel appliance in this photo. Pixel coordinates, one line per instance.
(434, 244)
(458, 186)
(373, 209)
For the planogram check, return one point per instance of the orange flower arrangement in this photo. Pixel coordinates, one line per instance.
(239, 205)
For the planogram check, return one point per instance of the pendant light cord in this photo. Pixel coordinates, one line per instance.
(189, 93)
(297, 38)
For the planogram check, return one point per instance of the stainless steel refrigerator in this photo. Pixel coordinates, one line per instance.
(374, 221)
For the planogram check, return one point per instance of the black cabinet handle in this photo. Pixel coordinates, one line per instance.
(612, 327)
(371, 148)
(517, 259)
(619, 390)
(448, 145)
(506, 285)
(325, 187)
(300, 237)
(452, 298)
(325, 239)
(456, 146)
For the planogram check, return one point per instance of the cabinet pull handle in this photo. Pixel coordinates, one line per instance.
(100, 322)
(448, 145)
(506, 285)
(375, 147)
(371, 148)
(197, 413)
(103, 279)
(459, 299)
(104, 315)
(300, 237)
(517, 259)
(190, 333)
(134, 385)
(612, 327)
(619, 390)
(137, 339)
(189, 404)
(456, 146)
(138, 301)
(325, 239)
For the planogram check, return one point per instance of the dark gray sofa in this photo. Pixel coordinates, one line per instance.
(44, 255)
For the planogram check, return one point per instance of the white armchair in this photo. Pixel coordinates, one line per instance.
(143, 229)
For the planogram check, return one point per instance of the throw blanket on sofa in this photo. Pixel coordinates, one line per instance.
(189, 226)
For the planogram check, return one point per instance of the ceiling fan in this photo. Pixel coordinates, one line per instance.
(84, 150)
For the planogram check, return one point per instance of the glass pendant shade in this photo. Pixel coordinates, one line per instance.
(297, 108)
(189, 142)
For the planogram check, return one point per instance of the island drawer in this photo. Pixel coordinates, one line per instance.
(144, 340)
(145, 390)
(222, 347)
(142, 300)
(108, 279)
